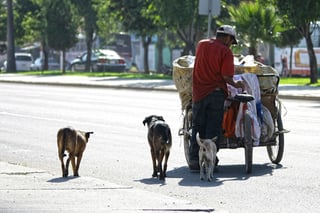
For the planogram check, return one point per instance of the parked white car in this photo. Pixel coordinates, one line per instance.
(23, 62)
(38, 64)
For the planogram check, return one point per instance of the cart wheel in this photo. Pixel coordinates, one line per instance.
(187, 126)
(248, 149)
(275, 152)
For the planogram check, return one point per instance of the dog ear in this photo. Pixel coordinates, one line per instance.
(88, 134)
(161, 118)
(147, 120)
(144, 121)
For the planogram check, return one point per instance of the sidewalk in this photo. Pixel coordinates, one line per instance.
(108, 82)
(285, 91)
(25, 189)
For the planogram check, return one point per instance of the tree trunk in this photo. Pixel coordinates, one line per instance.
(63, 62)
(160, 45)
(45, 54)
(189, 48)
(11, 61)
(145, 42)
(189, 39)
(290, 64)
(305, 31)
(312, 60)
(89, 36)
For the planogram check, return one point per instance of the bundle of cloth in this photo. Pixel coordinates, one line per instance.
(262, 124)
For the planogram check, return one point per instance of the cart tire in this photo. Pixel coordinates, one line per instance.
(275, 152)
(248, 146)
(187, 125)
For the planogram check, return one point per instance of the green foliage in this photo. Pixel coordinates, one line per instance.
(61, 31)
(128, 75)
(181, 17)
(107, 22)
(3, 23)
(87, 10)
(177, 22)
(301, 14)
(124, 75)
(26, 20)
(34, 25)
(290, 37)
(178, 13)
(298, 81)
(134, 16)
(255, 22)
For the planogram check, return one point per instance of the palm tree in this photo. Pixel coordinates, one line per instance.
(254, 23)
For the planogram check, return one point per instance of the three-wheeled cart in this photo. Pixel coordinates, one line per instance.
(272, 133)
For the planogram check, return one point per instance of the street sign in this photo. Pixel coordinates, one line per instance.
(210, 8)
(207, 7)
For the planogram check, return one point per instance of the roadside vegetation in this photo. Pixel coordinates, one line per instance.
(174, 25)
(127, 75)
(302, 81)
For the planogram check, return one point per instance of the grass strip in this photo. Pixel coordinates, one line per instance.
(301, 81)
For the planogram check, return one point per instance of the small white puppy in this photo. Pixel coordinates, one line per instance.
(207, 156)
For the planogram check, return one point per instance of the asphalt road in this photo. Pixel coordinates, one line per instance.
(118, 151)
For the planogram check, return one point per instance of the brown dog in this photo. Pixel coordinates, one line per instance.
(207, 156)
(74, 141)
(160, 141)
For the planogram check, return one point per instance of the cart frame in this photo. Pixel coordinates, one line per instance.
(274, 146)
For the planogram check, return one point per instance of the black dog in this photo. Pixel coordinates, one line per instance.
(160, 141)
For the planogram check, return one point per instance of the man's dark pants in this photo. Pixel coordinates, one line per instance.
(207, 116)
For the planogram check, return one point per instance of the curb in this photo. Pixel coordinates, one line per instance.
(170, 88)
(26, 189)
(77, 84)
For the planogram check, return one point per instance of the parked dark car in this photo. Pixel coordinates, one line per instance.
(101, 60)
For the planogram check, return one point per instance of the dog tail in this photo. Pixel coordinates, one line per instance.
(164, 133)
(199, 142)
(169, 136)
(62, 139)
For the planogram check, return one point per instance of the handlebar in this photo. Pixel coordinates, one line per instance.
(241, 97)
